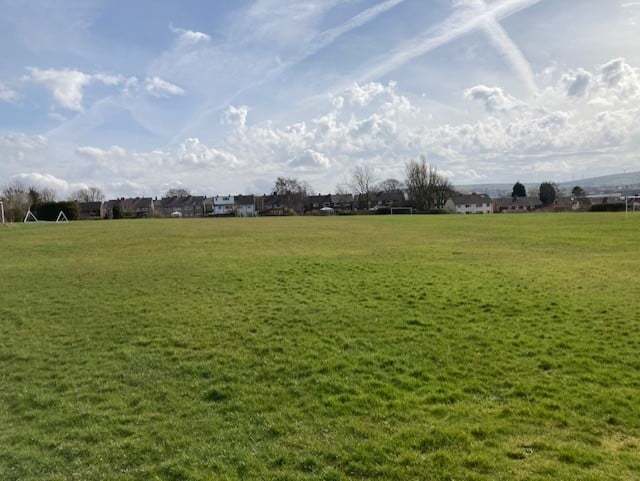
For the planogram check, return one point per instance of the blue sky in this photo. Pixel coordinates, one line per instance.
(224, 96)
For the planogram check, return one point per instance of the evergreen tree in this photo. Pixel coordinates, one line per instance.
(519, 190)
(548, 193)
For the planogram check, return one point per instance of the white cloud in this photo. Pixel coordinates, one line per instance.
(577, 82)
(362, 95)
(552, 135)
(613, 82)
(67, 85)
(156, 87)
(109, 158)
(7, 94)
(22, 141)
(290, 29)
(621, 79)
(493, 98)
(16, 148)
(61, 187)
(374, 122)
(193, 153)
(111, 80)
(310, 159)
(235, 116)
(189, 37)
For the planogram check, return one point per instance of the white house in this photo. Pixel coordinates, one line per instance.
(245, 206)
(223, 205)
(470, 204)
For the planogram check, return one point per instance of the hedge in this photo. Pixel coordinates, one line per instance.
(49, 211)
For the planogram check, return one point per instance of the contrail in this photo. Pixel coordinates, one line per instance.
(512, 52)
(329, 36)
(456, 26)
(319, 43)
(326, 38)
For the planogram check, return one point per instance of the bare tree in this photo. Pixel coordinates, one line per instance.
(34, 196)
(39, 195)
(290, 185)
(178, 192)
(90, 194)
(428, 189)
(363, 184)
(47, 195)
(292, 192)
(343, 189)
(16, 201)
(390, 185)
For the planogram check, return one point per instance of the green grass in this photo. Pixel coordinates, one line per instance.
(403, 348)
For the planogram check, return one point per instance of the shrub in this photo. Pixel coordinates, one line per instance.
(608, 208)
(49, 211)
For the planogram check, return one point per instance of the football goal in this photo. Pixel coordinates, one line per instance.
(29, 218)
(633, 203)
(401, 211)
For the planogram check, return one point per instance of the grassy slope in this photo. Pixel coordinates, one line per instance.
(488, 348)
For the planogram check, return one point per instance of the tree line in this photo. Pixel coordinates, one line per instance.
(427, 189)
(548, 192)
(18, 198)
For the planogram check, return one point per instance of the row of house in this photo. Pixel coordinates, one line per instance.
(483, 204)
(278, 205)
(237, 206)
(178, 207)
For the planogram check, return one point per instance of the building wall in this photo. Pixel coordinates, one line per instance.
(246, 211)
(223, 205)
(474, 209)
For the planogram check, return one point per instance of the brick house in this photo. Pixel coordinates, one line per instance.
(91, 210)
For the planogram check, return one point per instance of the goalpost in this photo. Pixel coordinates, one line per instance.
(402, 210)
(62, 218)
(635, 203)
(30, 218)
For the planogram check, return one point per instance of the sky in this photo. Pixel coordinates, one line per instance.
(224, 96)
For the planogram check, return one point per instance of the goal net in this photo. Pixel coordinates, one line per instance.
(401, 211)
(30, 218)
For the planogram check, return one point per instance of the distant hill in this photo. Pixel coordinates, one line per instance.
(615, 182)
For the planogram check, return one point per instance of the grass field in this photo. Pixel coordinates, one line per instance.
(390, 348)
